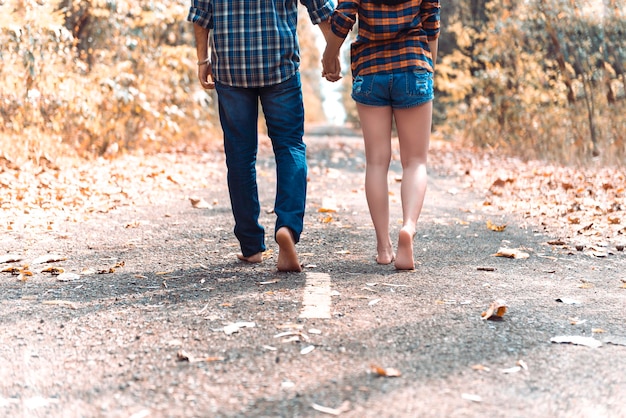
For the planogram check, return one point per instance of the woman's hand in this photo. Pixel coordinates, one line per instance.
(331, 66)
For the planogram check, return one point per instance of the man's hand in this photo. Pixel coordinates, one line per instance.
(331, 66)
(205, 75)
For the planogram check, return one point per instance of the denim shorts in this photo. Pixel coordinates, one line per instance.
(398, 90)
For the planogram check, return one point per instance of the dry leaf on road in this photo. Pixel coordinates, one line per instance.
(511, 253)
(493, 227)
(385, 372)
(345, 407)
(576, 340)
(199, 203)
(496, 311)
(49, 258)
(232, 328)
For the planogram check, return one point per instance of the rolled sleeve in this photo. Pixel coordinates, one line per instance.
(430, 19)
(319, 10)
(201, 13)
(344, 18)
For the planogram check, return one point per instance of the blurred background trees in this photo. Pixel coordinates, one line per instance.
(539, 79)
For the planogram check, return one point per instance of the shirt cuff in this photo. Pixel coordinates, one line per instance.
(323, 13)
(200, 17)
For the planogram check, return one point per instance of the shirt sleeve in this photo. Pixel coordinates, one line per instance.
(201, 12)
(344, 18)
(319, 10)
(430, 18)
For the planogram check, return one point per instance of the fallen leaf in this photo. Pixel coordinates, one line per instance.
(345, 407)
(385, 372)
(55, 271)
(49, 258)
(63, 303)
(511, 253)
(68, 277)
(577, 340)
(268, 282)
(480, 368)
(10, 258)
(493, 227)
(373, 302)
(182, 355)
(326, 219)
(199, 203)
(511, 370)
(573, 220)
(615, 340)
(307, 350)
(496, 310)
(232, 328)
(557, 242)
(329, 204)
(471, 397)
(614, 220)
(568, 301)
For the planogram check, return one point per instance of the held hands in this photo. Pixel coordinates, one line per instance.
(331, 66)
(205, 75)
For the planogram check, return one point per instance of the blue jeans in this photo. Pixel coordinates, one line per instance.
(284, 114)
(398, 90)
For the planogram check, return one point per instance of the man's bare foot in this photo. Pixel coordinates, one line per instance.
(287, 255)
(404, 259)
(254, 258)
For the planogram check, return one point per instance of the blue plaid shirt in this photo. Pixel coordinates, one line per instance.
(254, 43)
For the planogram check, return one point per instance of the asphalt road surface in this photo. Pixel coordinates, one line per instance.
(153, 316)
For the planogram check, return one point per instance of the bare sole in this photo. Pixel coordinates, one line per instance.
(404, 258)
(287, 255)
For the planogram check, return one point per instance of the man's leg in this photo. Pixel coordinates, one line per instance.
(238, 110)
(284, 113)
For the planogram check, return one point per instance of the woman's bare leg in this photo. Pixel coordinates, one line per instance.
(376, 126)
(414, 125)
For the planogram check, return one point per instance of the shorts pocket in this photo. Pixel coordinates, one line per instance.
(362, 85)
(420, 83)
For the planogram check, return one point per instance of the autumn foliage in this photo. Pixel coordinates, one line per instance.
(544, 79)
(540, 79)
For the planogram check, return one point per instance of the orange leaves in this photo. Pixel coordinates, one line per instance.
(493, 227)
(385, 371)
(574, 204)
(495, 311)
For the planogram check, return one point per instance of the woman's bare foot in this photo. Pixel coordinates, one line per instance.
(254, 258)
(287, 255)
(404, 259)
(385, 256)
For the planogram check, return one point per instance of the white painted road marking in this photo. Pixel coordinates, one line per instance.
(316, 300)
